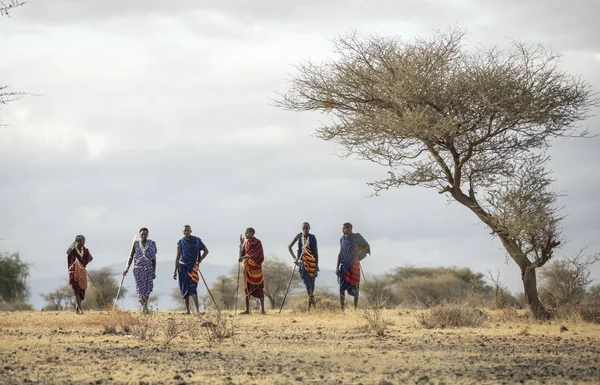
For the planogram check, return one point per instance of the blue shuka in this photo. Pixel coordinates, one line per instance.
(189, 252)
(349, 275)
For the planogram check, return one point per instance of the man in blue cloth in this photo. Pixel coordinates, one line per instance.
(186, 265)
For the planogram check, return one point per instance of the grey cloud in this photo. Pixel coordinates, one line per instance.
(190, 136)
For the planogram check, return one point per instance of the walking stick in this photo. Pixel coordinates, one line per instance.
(237, 288)
(123, 278)
(288, 288)
(207, 289)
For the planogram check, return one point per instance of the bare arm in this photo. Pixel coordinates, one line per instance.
(204, 254)
(339, 260)
(290, 248)
(178, 255)
(242, 251)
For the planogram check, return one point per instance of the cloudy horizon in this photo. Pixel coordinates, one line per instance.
(155, 114)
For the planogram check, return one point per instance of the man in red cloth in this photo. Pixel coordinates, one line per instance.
(251, 253)
(78, 257)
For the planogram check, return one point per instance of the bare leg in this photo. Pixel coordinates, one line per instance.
(247, 306)
(144, 303)
(78, 308)
(195, 298)
(342, 299)
(262, 306)
(187, 303)
(356, 301)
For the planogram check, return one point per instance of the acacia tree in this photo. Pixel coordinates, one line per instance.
(565, 282)
(13, 278)
(6, 7)
(277, 275)
(59, 299)
(5, 95)
(472, 124)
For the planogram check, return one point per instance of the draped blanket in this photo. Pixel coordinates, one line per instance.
(253, 275)
(349, 277)
(189, 250)
(143, 269)
(77, 270)
(308, 256)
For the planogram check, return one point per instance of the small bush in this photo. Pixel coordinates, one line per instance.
(373, 313)
(144, 327)
(590, 312)
(108, 323)
(16, 306)
(125, 320)
(325, 300)
(214, 326)
(451, 316)
(512, 314)
(170, 330)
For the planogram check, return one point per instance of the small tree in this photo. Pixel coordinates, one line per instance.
(59, 299)
(102, 288)
(223, 290)
(565, 282)
(471, 124)
(13, 278)
(276, 277)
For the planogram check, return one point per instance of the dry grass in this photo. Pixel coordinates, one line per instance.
(451, 316)
(53, 347)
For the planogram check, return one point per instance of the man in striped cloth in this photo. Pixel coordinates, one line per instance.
(307, 260)
(78, 257)
(251, 253)
(353, 249)
(187, 264)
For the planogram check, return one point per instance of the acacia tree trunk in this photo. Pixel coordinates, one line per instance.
(531, 292)
(516, 253)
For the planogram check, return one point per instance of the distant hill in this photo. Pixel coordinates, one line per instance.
(164, 285)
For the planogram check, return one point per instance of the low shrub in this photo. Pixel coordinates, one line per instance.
(451, 316)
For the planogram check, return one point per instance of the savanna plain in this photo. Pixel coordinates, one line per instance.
(294, 347)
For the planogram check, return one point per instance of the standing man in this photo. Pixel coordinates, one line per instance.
(78, 257)
(353, 248)
(307, 259)
(251, 252)
(144, 270)
(186, 264)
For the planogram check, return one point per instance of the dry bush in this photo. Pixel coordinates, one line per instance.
(511, 314)
(590, 312)
(325, 301)
(124, 320)
(108, 323)
(375, 320)
(144, 327)
(525, 331)
(451, 316)
(114, 322)
(170, 329)
(432, 290)
(16, 306)
(373, 313)
(213, 326)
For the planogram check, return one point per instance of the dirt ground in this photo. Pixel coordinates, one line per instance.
(291, 348)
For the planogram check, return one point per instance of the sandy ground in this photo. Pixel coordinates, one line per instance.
(292, 348)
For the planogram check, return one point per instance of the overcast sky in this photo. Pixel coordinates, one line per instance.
(159, 114)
